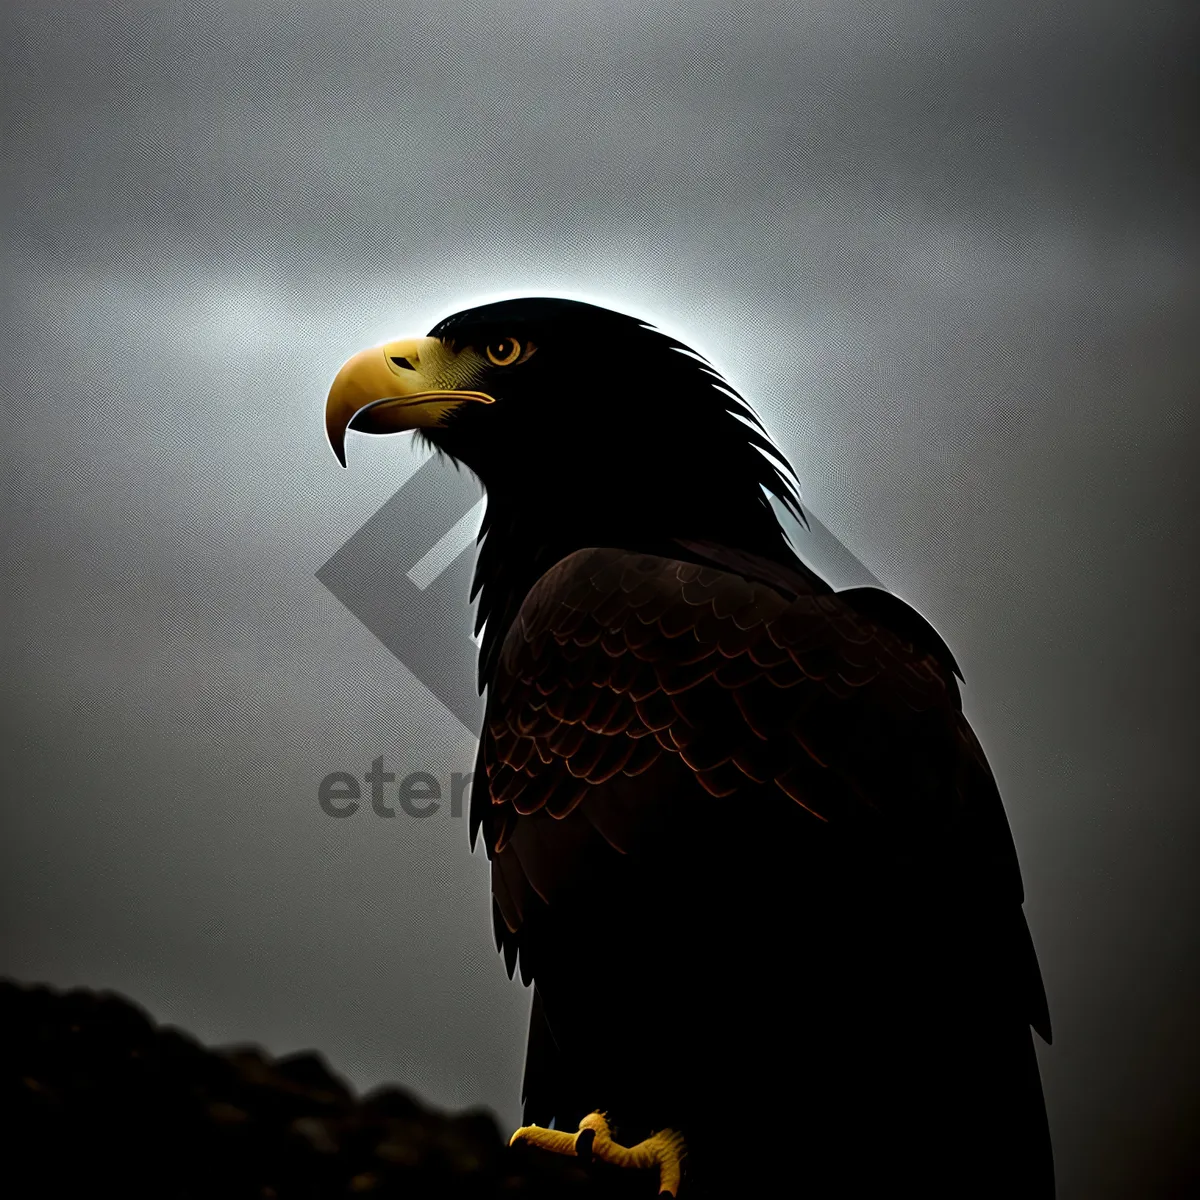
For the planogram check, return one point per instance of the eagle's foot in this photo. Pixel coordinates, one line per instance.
(663, 1150)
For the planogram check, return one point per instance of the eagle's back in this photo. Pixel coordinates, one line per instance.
(747, 847)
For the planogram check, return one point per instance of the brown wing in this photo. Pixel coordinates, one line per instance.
(624, 672)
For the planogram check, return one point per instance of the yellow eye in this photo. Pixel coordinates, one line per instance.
(504, 351)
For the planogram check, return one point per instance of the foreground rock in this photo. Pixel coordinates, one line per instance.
(101, 1100)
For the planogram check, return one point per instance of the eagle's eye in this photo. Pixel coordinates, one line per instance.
(504, 351)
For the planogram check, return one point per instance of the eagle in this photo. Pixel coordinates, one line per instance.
(744, 844)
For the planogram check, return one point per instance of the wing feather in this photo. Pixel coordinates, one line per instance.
(620, 665)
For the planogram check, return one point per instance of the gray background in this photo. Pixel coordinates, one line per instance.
(946, 249)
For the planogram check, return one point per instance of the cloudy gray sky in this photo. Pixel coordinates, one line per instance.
(947, 250)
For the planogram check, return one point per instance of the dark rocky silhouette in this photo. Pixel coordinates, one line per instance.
(98, 1099)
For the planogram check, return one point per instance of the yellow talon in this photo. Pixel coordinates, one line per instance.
(663, 1150)
(554, 1140)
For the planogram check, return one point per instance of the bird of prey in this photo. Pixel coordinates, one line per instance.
(743, 841)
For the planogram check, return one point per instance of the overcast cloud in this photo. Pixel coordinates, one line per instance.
(947, 251)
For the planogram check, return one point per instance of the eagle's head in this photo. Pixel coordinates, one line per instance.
(561, 406)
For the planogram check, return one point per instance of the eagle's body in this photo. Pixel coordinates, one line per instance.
(743, 841)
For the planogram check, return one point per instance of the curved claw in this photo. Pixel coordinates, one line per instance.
(664, 1150)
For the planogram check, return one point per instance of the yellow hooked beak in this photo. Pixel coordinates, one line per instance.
(383, 390)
